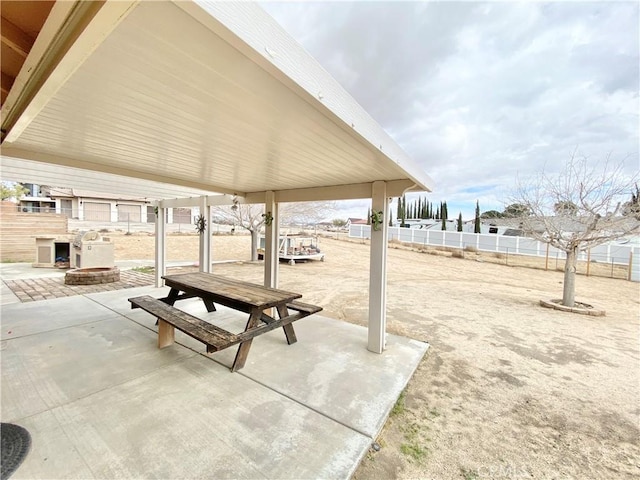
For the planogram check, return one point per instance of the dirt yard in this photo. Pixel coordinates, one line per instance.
(508, 389)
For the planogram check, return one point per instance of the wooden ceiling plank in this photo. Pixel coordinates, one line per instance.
(15, 39)
(6, 81)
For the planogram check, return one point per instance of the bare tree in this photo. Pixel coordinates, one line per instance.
(253, 217)
(576, 209)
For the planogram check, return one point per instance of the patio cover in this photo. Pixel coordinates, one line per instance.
(210, 96)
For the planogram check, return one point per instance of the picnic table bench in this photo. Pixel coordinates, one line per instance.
(246, 297)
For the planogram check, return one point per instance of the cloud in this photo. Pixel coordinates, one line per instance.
(478, 93)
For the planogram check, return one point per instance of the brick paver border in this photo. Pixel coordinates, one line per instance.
(35, 289)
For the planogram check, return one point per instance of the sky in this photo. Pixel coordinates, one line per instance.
(480, 94)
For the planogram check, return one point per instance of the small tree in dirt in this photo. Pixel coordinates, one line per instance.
(476, 225)
(460, 222)
(587, 202)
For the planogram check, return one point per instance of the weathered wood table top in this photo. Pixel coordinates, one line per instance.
(243, 296)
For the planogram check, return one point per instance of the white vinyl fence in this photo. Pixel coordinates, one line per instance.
(611, 253)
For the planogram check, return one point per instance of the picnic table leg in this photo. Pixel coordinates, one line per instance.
(209, 305)
(170, 300)
(166, 334)
(289, 332)
(172, 297)
(243, 349)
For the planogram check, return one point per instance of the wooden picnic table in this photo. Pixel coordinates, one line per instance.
(256, 300)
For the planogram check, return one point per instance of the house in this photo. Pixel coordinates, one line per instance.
(34, 201)
(96, 206)
(355, 221)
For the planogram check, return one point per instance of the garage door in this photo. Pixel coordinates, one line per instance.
(97, 212)
(128, 213)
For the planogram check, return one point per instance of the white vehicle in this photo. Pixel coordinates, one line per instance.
(295, 248)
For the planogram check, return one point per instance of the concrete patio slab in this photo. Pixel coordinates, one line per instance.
(338, 380)
(84, 376)
(57, 366)
(22, 319)
(194, 419)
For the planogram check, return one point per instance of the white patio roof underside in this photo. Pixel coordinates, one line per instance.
(211, 96)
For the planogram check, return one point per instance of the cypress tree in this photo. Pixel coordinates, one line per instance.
(476, 228)
(368, 216)
(445, 215)
(460, 222)
(399, 210)
(444, 223)
(403, 211)
(390, 218)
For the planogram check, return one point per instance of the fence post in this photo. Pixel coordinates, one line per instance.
(588, 261)
(611, 267)
(630, 265)
(506, 262)
(546, 263)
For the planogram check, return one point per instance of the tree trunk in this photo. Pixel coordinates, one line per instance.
(254, 244)
(569, 287)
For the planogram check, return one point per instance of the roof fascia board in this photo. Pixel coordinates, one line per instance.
(253, 32)
(86, 37)
(211, 200)
(395, 188)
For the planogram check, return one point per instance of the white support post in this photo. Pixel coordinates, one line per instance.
(272, 242)
(378, 271)
(205, 237)
(161, 250)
